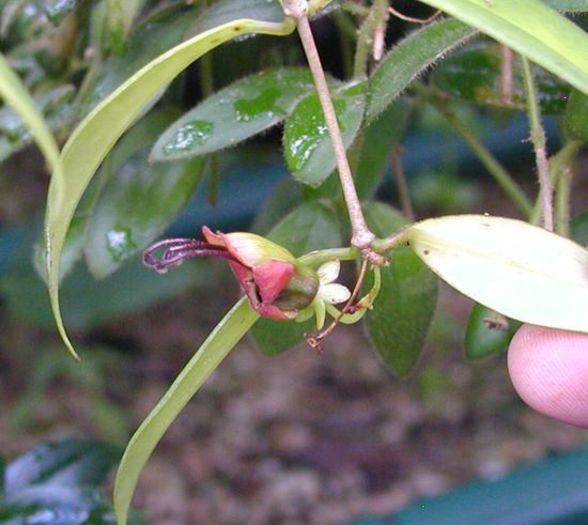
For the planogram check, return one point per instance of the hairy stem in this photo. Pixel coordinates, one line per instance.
(361, 237)
(540, 147)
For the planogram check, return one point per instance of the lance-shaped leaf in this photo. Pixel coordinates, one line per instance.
(94, 137)
(410, 58)
(568, 6)
(244, 109)
(402, 313)
(121, 14)
(219, 343)
(307, 144)
(532, 29)
(519, 270)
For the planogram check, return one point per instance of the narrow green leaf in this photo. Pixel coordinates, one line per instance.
(311, 226)
(218, 344)
(307, 144)
(402, 313)
(139, 200)
(94, 137)
(17, 97)
(531, 28)
(487, 333)
(519, 270)
(243, 109)
(474, 74)
(410, 58)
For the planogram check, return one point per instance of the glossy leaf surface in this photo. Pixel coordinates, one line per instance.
(410, 58)
(487, 332)
(139, 200)
(531, 28)
(211, 353)
(94, 137)
(233, 114)
(59, 484)
(311, 226)
(402, 313)
(521, 271)
(307, 144)
(475, 75)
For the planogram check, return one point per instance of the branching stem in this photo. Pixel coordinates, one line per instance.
(361, 237)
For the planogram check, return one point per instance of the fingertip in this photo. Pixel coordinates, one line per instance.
(549, 371)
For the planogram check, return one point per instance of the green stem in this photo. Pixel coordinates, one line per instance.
(319, 257)
(501, 176)
(562, 175)
(540, 147)
(376, 18)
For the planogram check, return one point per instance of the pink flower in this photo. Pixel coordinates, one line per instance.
(277, 285)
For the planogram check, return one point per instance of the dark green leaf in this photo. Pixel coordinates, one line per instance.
(139, 201)
(161, 32)
(57, 10)
(579, 228)
(378, 141)
(307, 144)
(245, 108)
(410, 58)
(576, 117)
(402, 313)
(474, 74)
(68, 463)
(228, 10)
(487, 333)
(311, 226)
(286, 195)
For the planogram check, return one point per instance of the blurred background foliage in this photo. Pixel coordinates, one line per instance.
(173, 172)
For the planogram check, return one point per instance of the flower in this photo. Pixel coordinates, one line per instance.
(277, 285)
(329, 293)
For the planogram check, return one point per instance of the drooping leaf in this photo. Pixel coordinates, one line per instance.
(307, 144)
(487, 333)
(311, 226)
(402, 313)
(475, 75)
(519, 270)
(244, 109)
(94, 137)
(15, 95)
(576, 117)
(579, 228)
(410, 58)
(140, 199)
(531, 28)
(211, 353)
